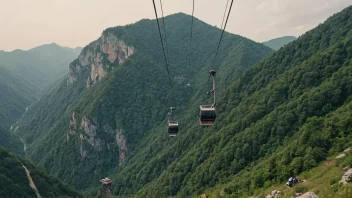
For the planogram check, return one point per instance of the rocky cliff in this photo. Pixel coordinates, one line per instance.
(90, 141)
(98, 57)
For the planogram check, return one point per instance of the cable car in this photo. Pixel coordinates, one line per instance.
(207, 113)
(172, 126)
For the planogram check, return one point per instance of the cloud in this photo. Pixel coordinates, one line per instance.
(293, 17)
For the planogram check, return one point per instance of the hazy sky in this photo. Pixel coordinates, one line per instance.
(29, 23)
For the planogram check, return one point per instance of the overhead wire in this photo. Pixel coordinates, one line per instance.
(223, 30)
(223, 18)
(162, 45)
(162, 14)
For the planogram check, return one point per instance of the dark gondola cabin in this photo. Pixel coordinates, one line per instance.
(207, 115)
(173, 128)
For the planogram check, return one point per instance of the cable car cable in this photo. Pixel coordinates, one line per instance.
(223, 18)
(172, 125)
(222, 32)
(207, 113)
(162, 45)
(167, 49)
(228, 14)
(162, 14)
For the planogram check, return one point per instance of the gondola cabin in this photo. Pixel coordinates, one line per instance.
(173, 128)
(207, 115)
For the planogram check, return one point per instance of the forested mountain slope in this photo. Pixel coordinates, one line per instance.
(277, 43)
(15, 183)
(294, 109)
(113, 106)
(282, 116)
(10, 142)
(39, 66)
(16, 95)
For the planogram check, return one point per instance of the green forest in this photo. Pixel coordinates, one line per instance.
(14, 181)
(279, 114)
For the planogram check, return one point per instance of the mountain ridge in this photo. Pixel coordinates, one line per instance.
(279, 42)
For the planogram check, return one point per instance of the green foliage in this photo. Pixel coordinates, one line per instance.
(14, 181)
(10, 142)
(276, 119)
(16, 95)
(24, 75)
(133, 98)
(40, 66)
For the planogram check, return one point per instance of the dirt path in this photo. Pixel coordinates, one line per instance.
(28, 107)
(31, 183)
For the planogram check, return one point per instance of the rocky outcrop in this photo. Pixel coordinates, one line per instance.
(89, 142)
(342, 155)
(308, 195)
(347, 177)
(90, 129)
(98, 58)
(273, 194)
(121, 143)
(73, 124)
(116, 48)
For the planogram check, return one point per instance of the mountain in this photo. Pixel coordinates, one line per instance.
(39, 66)
(24, 75)
(279, 118)
(78, 50)
(16, 95)
(289, 112)
(278, 115)
(15, 180)
(112, 107)
(277, 43)
(10, 142)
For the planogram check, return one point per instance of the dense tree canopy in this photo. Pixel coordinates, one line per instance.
(14, 181)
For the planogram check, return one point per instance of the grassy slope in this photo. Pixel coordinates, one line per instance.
(322, 180)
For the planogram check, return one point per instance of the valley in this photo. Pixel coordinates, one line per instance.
(77, 115)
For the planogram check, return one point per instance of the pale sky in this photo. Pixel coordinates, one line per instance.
(29, 23)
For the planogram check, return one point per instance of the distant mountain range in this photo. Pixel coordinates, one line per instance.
(277, 43)
(41, 65)
(24, 74)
